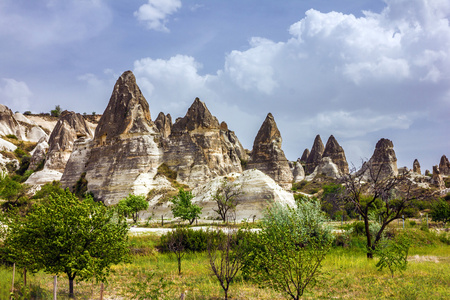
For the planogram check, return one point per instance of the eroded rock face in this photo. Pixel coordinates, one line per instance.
(305, 155)
(416, 167)
(125, 151)
(8, 124)
(298, 172)
(164, 124)
(69, 127)
(436, 178)
(337, 155)
(267, 155)
(315, 156)
(29, 130)
(199, 148)
(383, 160)
(444, 166)
(327, 168)
(39, 153)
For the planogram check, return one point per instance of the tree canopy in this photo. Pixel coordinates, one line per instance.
(184, 208)
(132, 205)
(80, 238)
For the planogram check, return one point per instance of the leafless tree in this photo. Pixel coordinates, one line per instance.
(176, 245)
(225, 257)
(227, 198)
(371, 186)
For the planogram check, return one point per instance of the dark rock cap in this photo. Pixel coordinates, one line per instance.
(315, 155)
(127, 110)
(334, 151)
(197, 116)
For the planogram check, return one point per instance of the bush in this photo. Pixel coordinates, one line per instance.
(193, 240)
(393, 254)
(12, 136)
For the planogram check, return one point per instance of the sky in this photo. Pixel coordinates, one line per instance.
(360, 70)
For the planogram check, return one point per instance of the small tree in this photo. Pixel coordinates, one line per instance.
(370, 189)
(65, 235)
(132, 205)
(440, 211)
(56, 112)
(227, 198)
(288, 252)
(175, 243)
(184, 208)
(393, 254)
(226, 257)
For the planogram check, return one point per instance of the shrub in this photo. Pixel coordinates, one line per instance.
(393, 254)
(193, 240)
(12, 136)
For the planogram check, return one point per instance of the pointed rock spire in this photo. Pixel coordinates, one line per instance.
(416, 167)
(127, 111)
(305, 155)
(197, 116)
(444, 166)
(267, 155)
(164, 124)
(334, 151)
(383, 159)
(315, 156)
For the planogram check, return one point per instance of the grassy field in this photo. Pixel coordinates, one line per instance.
(347, 274)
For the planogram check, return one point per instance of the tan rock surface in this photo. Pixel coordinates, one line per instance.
(267, 155)
(334, 151)
(315, 155)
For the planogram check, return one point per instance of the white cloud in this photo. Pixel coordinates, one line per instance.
(339, 74)
(15, 94)
(155, 13)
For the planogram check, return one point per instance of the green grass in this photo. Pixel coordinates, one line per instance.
(347, 274)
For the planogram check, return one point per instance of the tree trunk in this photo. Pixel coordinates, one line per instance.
(179, 265)
(71, 294)
(368, 236)
(25, 276)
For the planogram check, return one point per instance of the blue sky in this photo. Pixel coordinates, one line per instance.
(360, 70)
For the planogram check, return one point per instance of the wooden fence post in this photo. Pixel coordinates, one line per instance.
(55, 284)
(101, 291)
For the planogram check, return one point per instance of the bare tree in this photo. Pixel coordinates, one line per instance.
(225, 257)
(370, 187)
(175, 244)
(227, 198)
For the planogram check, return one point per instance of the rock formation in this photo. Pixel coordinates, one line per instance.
(444, 166)
(383, 162)
(199, 148)
(327, 168)
(70, 127)
(125, 152)
(416, 167)
(305, 156)
(267, 155)
(164, 124)
(8, 124)
(334, 151)
(315, 155)
(29, 130)
(39, 153)
(436, 178)
(297, 170)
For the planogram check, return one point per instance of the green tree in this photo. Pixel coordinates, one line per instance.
(288, 252)
(227, 198)
(393, 254)
(56, 112)
(81, 239)
(369, 190)
(132, 205)
(184, 208)
(440, 211)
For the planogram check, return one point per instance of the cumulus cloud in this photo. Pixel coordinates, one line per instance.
(337, 73)
(52, 22)
(155, 13)
(15, 94)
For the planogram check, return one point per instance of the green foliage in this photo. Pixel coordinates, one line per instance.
(183, 207)
(80, 188)
(163, 169)
(27, 113)
(56, 112)
(393, 254)
(12, 136)
(193, 240)
(51, 188)
(441, 211)
(19, 152)
(294, 239)
(132, 205)
(82, 238)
